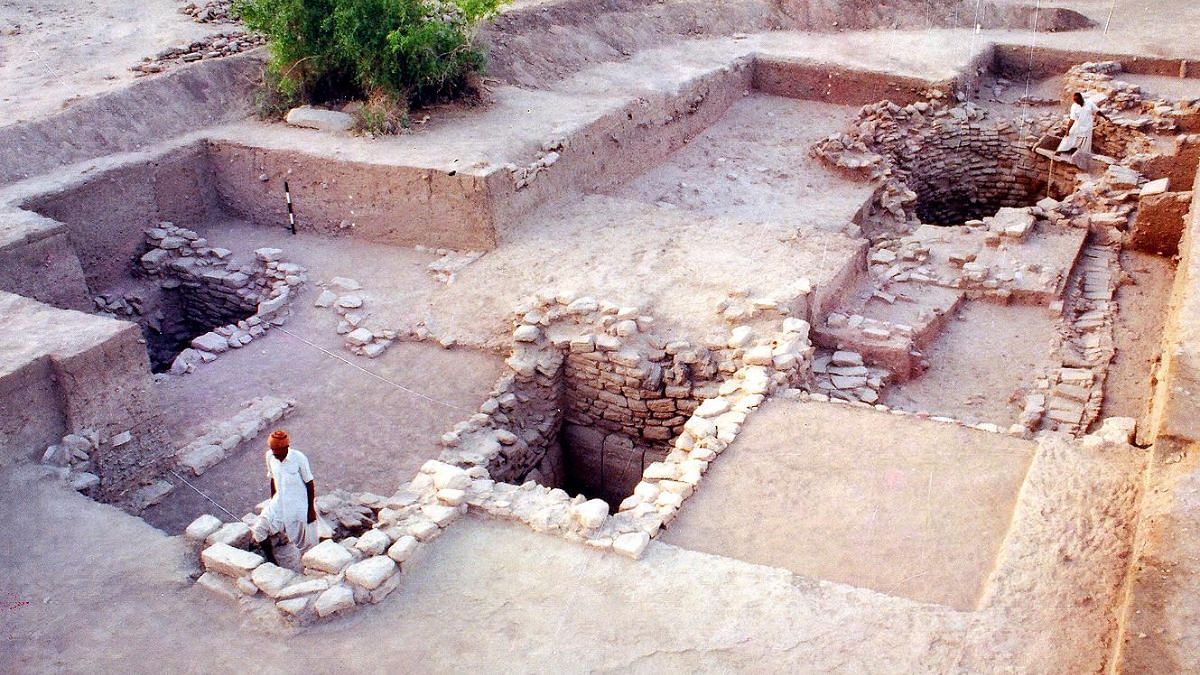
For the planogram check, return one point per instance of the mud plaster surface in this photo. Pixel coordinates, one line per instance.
(861, 497)
(981, 364)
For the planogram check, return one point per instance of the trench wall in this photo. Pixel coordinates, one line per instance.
(106, 215)
(1175, 409)
(167, 106)
(63, 371)
(38, 261)
(389, 204)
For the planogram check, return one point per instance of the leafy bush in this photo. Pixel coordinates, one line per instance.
(410, 50)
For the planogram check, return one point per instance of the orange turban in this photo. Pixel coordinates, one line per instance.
(278, 440)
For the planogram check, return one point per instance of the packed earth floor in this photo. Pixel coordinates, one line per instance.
(742, 336)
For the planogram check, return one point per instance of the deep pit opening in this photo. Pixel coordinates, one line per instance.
(602, 464)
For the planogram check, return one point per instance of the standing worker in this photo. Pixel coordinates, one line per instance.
(1078, 140)
(288, 524)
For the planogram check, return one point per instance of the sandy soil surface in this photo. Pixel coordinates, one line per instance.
(857, 496)
(56, 51)
(981, 365)
(1137, 332)
(104, 592)
(754, 164)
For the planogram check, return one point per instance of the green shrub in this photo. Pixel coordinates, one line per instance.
(411, 50)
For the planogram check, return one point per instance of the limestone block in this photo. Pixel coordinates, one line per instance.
(202, 458)
(230, 561)
(359, 337)
(271, 579)
(451, 497)
(441, 515)
(317, 118)
(151, 494)
(373, 542)
(451, 477)
(712, 407)
(403, 549)
(591, 514)
(293, 607)
(699, 427)
(325, 299)
(334, 600)
(631, 544)
(303, 588)
(424, 530)
(364, 596)
(345, 284)
(328, 556)
(211, 342)
(372, 572)
(82, 481)
(660, 471)
(231, 534)
(218, 585)
(202, 527)
(527, 333)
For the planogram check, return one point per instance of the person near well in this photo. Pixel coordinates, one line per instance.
(1077, 143)
(288, 524)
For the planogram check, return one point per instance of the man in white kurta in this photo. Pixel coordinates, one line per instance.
(1078, 140)
(288, 524)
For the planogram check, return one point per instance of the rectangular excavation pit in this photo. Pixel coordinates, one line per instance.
(896, 504)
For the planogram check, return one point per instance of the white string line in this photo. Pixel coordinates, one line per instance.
(210, 499)
(1025, 121)
(1112, 8)
(374, 375)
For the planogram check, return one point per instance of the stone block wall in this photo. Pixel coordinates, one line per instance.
(939, 164)
(215, 305)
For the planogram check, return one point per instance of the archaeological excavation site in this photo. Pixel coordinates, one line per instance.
(739, 336)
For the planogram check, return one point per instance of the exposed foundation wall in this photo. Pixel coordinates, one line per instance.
(31, 417)
(65, 371)
(620, 144)
(39, 262)
(107, 215)
(388, 204)
(1175, 409)
(1014, 61)
(796, 78)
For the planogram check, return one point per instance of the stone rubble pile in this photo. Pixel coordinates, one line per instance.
(210, 447)
(549, 155)
(739, 307)
(447, 267)
(993, 257)
(341, 573)
(211, 47)
(843, 375)
(72, 457)
(244, 302)
(345, 296)
(1132, 114)
(212, 11)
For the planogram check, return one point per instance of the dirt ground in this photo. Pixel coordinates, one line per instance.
(489, 595)
(1137, 332)
(826, 539)
(55, 51)
(860, 497)
(360, 433)
(981, 365)
(754, 165)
